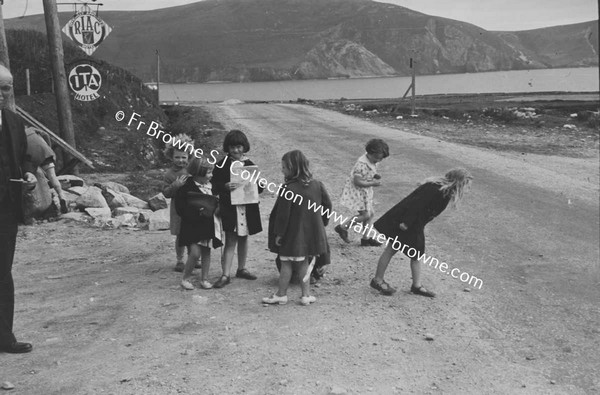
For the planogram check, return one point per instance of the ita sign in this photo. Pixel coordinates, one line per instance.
(85, 80)
(87, 30)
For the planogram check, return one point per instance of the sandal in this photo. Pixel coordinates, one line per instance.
(223, 281)
(383, 287)
(422, 291)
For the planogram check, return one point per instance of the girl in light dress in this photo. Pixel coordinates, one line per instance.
(358, 190)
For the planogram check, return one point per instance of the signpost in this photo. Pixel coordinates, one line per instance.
(85, 80)
(86, 29)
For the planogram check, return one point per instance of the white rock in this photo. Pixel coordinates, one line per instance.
(91, 198)
(126, 220)
(158, 220)
(115, 186)
(133, 201)
(76, 216)
(7, 385)
(69, 181)
(78, 190)
(103, 213)
(335, 390)
(126, 210)
(569, 126)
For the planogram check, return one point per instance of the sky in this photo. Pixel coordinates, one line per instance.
(488, 14)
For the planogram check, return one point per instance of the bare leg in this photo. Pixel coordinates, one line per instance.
(360, 218)
(191, 261)
(242, 250)
(284, 278)
(179, 250)
(231, 240)
(415, 269)
(366, 225)
(205, 256)
(304, 285)
(384, 260)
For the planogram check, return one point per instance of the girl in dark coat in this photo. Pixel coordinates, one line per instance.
(406, 222)
(239, 221)
(296, 230)
(199, 232)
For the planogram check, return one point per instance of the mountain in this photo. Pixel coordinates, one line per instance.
(254, 40)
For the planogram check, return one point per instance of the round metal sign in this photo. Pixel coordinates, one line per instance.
(87, 30)
(85, 80)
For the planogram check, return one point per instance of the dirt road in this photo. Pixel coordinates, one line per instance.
(106, 313)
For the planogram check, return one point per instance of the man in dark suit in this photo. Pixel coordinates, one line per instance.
(16, 173)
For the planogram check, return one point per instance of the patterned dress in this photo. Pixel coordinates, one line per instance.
(355, 197)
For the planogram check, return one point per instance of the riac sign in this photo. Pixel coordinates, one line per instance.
(87, 30)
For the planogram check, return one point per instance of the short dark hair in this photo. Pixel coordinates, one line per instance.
(199, 167)
(378, 146)
(236, 137)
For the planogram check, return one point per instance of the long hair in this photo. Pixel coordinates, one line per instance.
(297, 164)
(453, 183)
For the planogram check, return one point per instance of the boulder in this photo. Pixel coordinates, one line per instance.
(113, 198)
(98, 213)
(91, 198)
(133, 201)
(67, 181)
(38, 200)
(115, 186)
(126, 210)
(126, 220)
(158, 220)
(77, 190)
(158, 202)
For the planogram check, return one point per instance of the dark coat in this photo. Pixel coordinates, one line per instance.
(221, 176)
(193, 229)
(20, 161)
(302, 229)
(415, 211)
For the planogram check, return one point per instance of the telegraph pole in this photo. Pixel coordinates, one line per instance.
(158, 77)
(63, 101)
(4, 56)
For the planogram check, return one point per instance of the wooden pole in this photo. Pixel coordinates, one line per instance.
(412, 84)
(63, 101)
(158, 77)
(27, 82)
(4, 56)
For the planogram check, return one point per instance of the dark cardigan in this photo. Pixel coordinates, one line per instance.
(20, 161)
(221, 176)
(302, 229)
(415, 211)
(195, 229)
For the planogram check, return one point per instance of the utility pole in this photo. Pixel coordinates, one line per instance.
(4, 56)
(412, 111)
(63, 101)
(158, 77)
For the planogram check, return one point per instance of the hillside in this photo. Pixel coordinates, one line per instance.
(254, 40)
(120, 90)
(560, 46)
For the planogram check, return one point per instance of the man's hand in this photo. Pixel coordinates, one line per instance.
(278, 240)
(30, 181)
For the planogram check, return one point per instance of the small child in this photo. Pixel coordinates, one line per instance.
(175, 177)
(358, 190)
(406, 221)
(296, 232)
(198, 229)
(239, 221)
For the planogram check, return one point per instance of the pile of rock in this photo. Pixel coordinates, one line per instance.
(110, 205)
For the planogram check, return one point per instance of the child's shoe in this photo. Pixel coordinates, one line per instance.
(179, 267)
(205, 284)
(274, 299)
(306, 300)
(342, 232)
(383, 287)
(187, 285)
